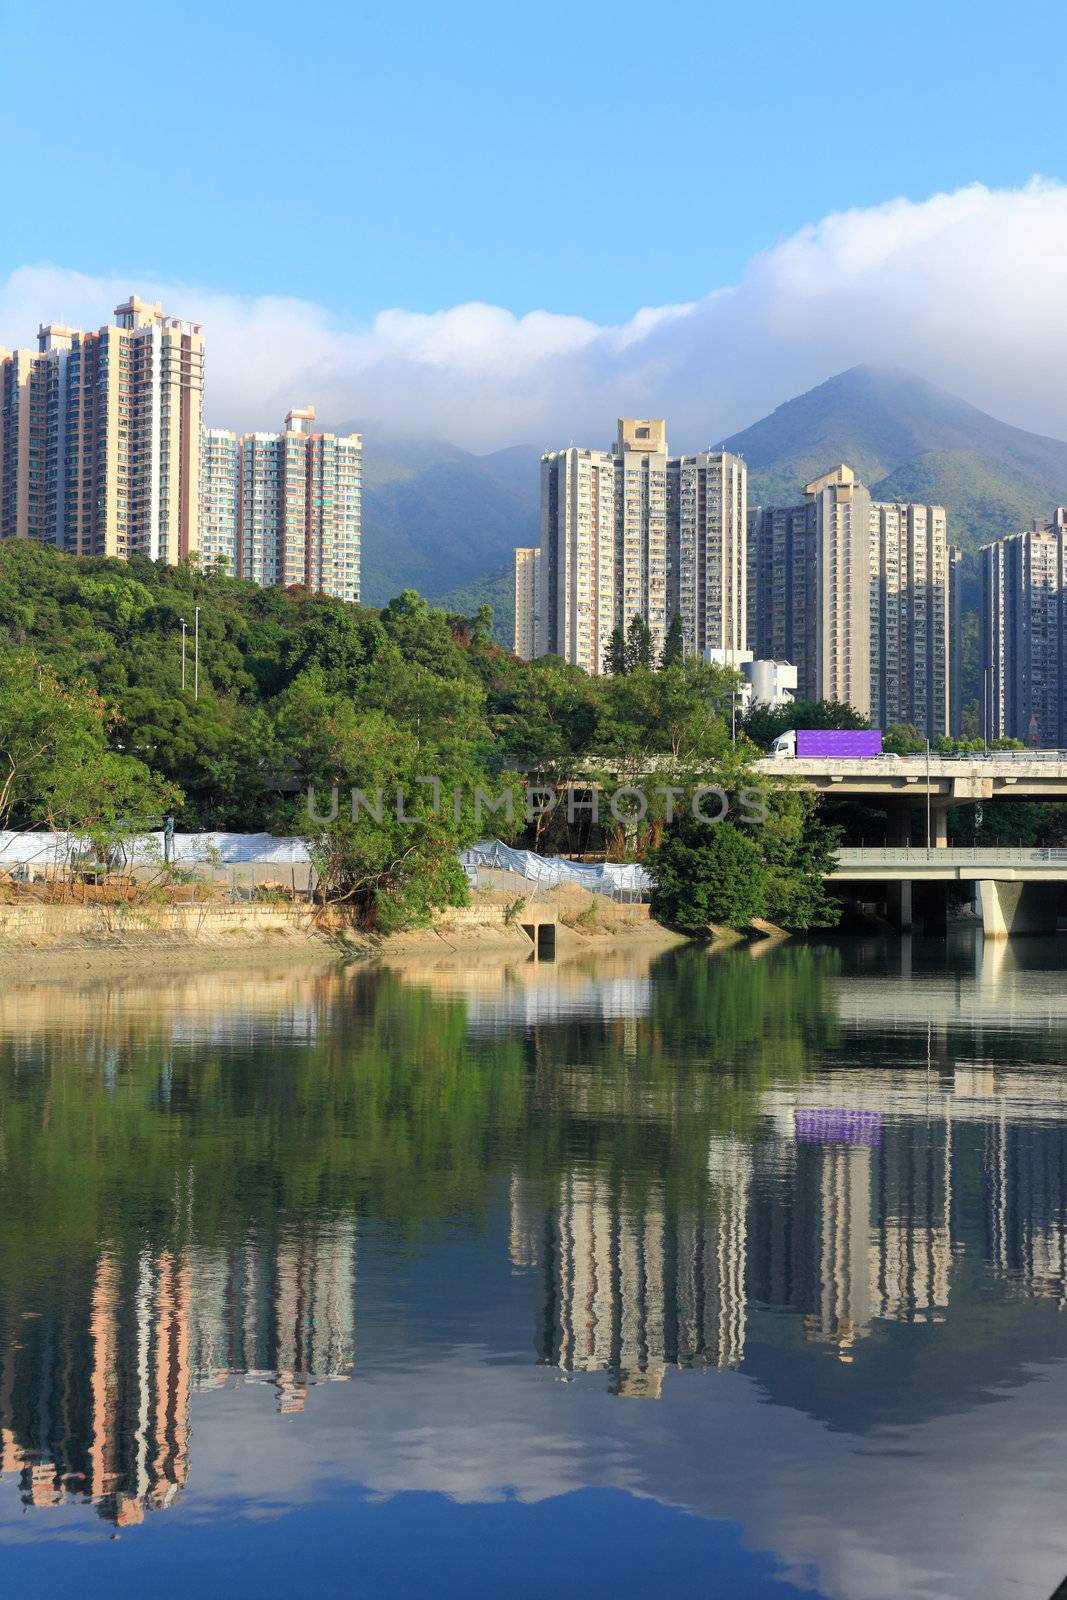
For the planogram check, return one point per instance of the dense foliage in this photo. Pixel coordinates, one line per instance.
(738, 871)
(287, 691)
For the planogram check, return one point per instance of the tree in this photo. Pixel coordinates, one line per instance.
(682, 711)
(336, 638)
(481, 626)
(617, 653)
(55, 766)
(799, 851)
(392, 854)
(705, 874)
(673, 645)
(903, 739)
(763, 724)
(638, 644)
(544, 711)
(944, 746)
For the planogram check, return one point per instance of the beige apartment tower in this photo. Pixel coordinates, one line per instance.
(641, 525)
(527, 601)
(100, 437)
(859, 595)
(842, 583)
(635, 532)
(577, 610)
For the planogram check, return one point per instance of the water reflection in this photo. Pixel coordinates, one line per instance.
(95, 1391)
(796, 1170)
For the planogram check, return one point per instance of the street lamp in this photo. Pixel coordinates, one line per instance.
(184, 626)
(196, 654)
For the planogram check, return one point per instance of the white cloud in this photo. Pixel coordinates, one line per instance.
(965, 289)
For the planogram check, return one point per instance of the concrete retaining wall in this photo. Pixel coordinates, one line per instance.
(33, 926)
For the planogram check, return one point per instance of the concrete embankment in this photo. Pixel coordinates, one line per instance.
(63, 935)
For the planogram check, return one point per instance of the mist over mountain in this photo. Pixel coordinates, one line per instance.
(907, 440)
(442, 520)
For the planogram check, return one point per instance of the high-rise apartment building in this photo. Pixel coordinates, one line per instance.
(333, 488)
(22, 446)
(808, 588)
(858, 594)
(1024, 635)
(707, 514)
(259, 530)
(636, 532)
(640, 453)
(219, 477)
(842, 564)
(100, 437)
(955, 640)
(577, 611)
(911, 618)
(527, 601)
(782, 591)
(287, 507)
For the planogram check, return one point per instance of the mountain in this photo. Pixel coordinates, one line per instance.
(907, 440)
(444, 521)
(435, 517)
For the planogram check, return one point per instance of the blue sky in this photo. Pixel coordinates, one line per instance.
(451, 219)
(370, 155)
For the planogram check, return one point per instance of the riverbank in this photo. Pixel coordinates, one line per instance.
(65, 938)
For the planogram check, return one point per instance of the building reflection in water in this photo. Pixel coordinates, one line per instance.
(94, 1397)
(626, 1290)
(854, 1198)
(841, 1214)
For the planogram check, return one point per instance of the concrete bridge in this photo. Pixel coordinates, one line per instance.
(1015, 890)
(902, 784)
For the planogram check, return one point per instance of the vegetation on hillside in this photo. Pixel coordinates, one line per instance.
(436, 516)
(298, 691)
(497, 591)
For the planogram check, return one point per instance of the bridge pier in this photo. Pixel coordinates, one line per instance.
(899, 822)
(939, 826)
(898, 903)
(1013, 907)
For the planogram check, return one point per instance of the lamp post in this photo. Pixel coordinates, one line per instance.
(184, 627)
(929, 803)
(196, 654)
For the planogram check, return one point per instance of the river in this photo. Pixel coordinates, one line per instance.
(626, 1275)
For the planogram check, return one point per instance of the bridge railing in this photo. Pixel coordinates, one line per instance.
(950, 856)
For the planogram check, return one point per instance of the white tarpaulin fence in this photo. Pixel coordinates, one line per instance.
(43, 850)
(187, 849)
(600, 877)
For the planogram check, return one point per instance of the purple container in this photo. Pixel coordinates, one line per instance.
(843, 743)
(829, 1125)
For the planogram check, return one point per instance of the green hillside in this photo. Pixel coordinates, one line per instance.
(497, 591)
(444, 521)
(908, 440)
(436, 517)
